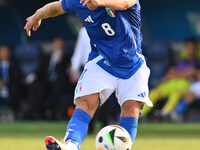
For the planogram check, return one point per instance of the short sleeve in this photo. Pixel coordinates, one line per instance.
(67, 6)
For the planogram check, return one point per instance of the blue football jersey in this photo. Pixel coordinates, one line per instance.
(114, 34)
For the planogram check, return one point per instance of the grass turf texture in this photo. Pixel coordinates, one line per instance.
(30, 136)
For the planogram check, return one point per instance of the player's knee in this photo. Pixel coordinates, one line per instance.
(131, 109)
(82, 103)
(130, 112)
(86, 105)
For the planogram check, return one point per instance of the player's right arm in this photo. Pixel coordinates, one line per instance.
(113, 4)
(50, 10)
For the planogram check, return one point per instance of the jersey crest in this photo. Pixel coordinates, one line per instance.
(111, 12)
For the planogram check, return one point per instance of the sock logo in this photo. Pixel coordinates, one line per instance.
(70, 130)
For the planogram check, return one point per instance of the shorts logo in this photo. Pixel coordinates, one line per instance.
(143, 95)
(79, 88)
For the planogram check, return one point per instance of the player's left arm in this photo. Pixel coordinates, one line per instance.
(113, 4)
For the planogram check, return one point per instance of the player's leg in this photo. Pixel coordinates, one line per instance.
(86, 105)
(132, 93)
(78, 124)
(84, 112)
(130, 111)
(93, 80)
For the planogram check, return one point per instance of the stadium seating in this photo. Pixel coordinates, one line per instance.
(9, 27)
(157, 54)
(28, 57)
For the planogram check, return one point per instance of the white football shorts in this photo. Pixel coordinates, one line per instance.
(94, 79)
(195, 88)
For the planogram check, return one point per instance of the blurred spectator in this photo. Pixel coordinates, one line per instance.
(184, 54)
(80, 55)
(192, 95)
(176, 81)
(10, 78)
(50, 82)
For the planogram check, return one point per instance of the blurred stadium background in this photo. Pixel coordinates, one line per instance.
(26, 101)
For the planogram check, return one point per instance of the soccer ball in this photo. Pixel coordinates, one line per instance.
(113, 137)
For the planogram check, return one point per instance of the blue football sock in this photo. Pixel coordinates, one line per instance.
(181, 107)
(78, 127)
(130, 124)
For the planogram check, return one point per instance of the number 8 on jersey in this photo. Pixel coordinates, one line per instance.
(108, 30)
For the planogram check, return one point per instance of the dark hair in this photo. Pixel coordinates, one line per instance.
(191, 39)
(6, 45)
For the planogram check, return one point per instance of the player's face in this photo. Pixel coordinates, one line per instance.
(4, 53)
(191, 48)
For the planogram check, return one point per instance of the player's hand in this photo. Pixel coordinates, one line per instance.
(32, 23)
(92, 4)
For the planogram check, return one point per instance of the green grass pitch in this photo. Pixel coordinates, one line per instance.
(30, 136)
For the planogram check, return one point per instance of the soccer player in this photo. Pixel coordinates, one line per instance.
(115, 63)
